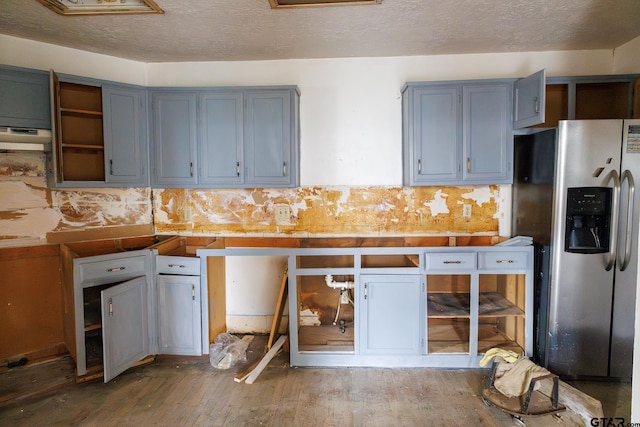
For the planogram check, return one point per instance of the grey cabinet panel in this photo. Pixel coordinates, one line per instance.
(529, 100)
(179, 330)
(125, 326)
(457, 133)
(24, 98)
(242, 137)
(124, 125)
(268, 138)
(174, 136)
(391, 314)
(436, 134)
(487, 133)
(221, 138)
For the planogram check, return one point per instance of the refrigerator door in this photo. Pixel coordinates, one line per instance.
(588, 155)
(624, 293)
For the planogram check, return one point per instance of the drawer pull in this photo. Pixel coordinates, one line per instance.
(176, 266)
(505, 261)
(111, 270)
(452, 262)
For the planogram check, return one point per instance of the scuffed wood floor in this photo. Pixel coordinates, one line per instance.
(188, 391)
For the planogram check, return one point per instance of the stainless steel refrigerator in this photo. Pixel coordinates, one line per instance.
(574, 193)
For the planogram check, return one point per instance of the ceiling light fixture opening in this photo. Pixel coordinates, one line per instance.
(287, 4)
(101, 7)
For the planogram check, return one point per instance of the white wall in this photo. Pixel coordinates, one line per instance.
(626, 58)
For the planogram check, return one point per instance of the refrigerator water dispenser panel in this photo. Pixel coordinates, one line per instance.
(588, 220)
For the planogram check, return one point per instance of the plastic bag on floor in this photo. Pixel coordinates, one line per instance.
(226, 350)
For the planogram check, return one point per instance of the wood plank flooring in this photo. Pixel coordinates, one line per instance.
(188, 391)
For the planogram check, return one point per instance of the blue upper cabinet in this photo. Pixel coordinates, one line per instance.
(528, 101)
(221, 137)
(486, 133)
(174, 138)
(269, 136)
(226, 137)
(124, 122)
(24, 98)
(433, 145)
(457, 133)
(99, 134)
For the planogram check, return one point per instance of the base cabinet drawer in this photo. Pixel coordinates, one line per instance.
(502, 260)
(450, 261)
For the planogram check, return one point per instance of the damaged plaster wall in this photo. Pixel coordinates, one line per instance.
(330, 211)
(30, 212)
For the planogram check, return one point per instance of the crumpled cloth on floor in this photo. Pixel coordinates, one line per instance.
(506, 355)
(516, 381)
(518, 373)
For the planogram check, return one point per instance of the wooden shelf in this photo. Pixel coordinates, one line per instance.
(454, 338)
(84, 146)
(491, 304)
(325, 338)
(95, 327)
(84, 113)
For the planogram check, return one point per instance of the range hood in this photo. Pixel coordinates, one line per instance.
(24, 139)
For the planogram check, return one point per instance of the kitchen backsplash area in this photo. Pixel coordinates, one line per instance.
(30, 213)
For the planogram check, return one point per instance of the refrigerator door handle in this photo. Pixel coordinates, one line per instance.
(613, 238)
(628, 235)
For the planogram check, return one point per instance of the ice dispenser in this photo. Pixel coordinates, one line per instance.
(588, 220)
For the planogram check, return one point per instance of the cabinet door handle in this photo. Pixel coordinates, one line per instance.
(110, 307)
(536, 105)
(193, 292)
(176, 266)
(365, 291)
(504, 261)
(452, 262)
(419, 166)
(191, 168)
(238, 168)
(111, 270)
(468, 164)
(284, 168)
(110, 166)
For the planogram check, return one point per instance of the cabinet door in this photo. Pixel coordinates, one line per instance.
(124, 123)
(269, 138)
(174, 138)
(221, 135)
(25, 98)
(179, 315)
(435, 141)
(529, 100)
(125, 329)
(487, 134)
(391, 314)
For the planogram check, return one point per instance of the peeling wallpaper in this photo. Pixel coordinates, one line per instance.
(328, 211)
(29, 210)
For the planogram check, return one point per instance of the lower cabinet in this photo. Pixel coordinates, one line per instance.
(410, 307)
(391, 315)
(118, 310)
(179, 314)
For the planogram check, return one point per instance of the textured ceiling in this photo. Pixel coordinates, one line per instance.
(236, 30)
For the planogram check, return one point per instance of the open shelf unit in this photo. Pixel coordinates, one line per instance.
(81, 141)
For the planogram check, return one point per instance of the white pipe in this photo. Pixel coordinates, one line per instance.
(337, 285)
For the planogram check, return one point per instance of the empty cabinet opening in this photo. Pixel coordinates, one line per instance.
(325, 261)
(390, 261)
(448, 313)
(501, 312)
(326, 313)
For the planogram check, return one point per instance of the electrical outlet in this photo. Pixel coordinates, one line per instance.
(187, 214)
(466, 210)
(282, 213)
